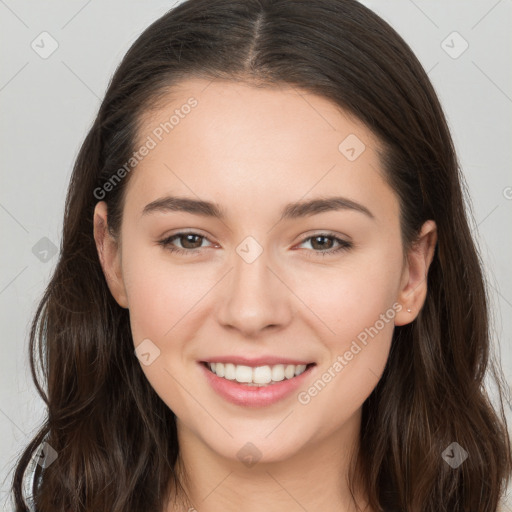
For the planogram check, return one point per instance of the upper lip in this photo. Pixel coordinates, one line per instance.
(256, 361)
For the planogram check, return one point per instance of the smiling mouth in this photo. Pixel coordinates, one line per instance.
(257, 376)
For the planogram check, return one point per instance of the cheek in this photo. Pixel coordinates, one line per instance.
(339, 301)
(161, 301)
(160, 294)
(357, 306)
(340, 307)
(352, 296)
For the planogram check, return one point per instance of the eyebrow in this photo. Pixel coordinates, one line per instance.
(294, 210)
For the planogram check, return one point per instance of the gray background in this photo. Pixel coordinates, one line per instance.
(49, 103)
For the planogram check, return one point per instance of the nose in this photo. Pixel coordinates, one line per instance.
(257, 298)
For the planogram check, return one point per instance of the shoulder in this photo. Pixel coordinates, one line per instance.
(29, 481)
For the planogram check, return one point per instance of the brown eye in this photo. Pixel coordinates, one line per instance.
(325, 244)
(322, 242)
(190, 243)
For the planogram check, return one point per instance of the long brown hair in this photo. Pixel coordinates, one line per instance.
(115, 438)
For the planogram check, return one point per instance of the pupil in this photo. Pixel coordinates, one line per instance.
(189, 239)
(324, 238)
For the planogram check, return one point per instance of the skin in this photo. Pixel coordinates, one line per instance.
(253, 150)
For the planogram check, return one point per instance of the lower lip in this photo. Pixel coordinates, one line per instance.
(254, 396)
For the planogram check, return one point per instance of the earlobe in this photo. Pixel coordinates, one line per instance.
(109, 255)
(413, 289)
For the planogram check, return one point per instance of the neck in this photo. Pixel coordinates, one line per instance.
(313, 478)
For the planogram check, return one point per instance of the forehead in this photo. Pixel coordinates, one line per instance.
(232, 142)
(255, 115)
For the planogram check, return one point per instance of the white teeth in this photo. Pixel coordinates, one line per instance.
(262, 375)
(258, 376)
(220, 369)
(289, 371)
(229, 371)
(278, 372)
(299, 369)
(243, 373)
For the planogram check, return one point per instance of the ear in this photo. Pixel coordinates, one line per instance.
(110, 255)
(413, 286)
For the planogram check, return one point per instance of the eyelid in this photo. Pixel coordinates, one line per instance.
(343, 243)
(326, 232)
(166, 240)
(183, 232)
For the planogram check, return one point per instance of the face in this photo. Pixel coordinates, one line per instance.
(265, 280)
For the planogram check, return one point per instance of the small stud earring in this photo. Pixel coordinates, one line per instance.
(408, 310)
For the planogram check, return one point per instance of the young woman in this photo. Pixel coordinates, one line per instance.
(268, 296)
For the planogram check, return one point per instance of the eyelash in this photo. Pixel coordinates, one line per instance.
(166, 243)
